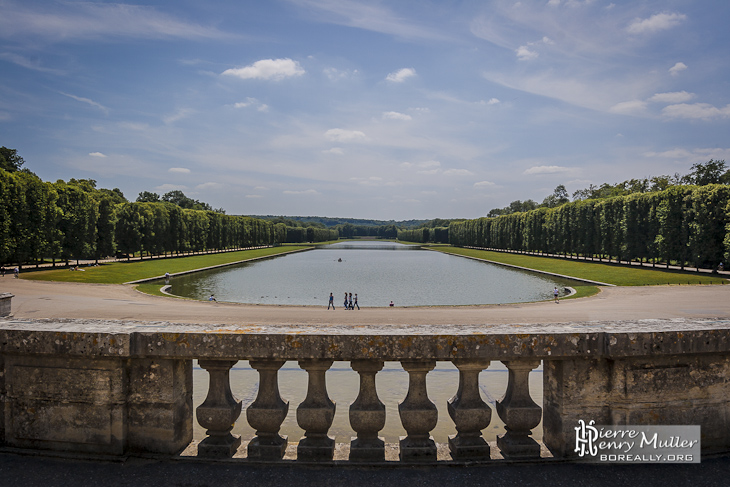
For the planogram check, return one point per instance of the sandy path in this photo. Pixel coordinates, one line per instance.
(37, 299)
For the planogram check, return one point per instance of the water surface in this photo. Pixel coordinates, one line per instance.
(378, 272)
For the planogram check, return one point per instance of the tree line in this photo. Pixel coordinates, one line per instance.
(681, 225)
(73, 220)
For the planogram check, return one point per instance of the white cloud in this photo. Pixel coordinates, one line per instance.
(243, 104)
(547, 170)
(425, 167)
(672, 97)
(524, 54)
(484, 184)
(655, 23)
(64, 21)
(396, 116)
(254, 196)
(178, 115)
(369, 16)
(208, 186)
(335, 74)
(342, 135)
(458, 172)
(634, 107)
(677, 68)
(179, 170)
(696, 111)
(493, 101)
(87, 101)
(164, 188)
(421, 165)
(97, 154)
(252, 102)
(275, 69)
(305, 192)
(335, 150)
(401, 75)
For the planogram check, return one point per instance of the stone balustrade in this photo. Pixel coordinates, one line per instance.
(121, 388)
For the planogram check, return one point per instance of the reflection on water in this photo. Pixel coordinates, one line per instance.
(343, 384)
(372, 270)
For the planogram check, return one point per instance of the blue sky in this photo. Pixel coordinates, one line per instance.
(364, 109)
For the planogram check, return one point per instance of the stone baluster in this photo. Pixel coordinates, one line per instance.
(219, 411)
(519, 412)
(418, 414)
(367, 415)
(315, 414)
(267, 412)
(469, 412)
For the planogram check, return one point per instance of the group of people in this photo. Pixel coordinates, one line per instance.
(16, 271)
(350, 302)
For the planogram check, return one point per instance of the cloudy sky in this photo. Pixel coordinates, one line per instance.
(367, 109)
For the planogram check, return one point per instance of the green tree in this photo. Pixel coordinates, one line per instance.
(10, 160)
(148, 197)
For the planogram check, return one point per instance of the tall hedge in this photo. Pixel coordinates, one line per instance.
(683, 225)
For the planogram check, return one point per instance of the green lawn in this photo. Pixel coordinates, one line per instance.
(120, 272)
(619, 275)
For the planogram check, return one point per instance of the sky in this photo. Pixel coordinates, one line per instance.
(390, 110)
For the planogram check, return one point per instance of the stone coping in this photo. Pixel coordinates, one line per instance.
(109, 338)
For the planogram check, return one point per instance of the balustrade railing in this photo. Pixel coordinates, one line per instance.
(367, 414)
(117, 388)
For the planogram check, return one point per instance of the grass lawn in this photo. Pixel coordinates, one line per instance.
(120, 272)
(619, 275)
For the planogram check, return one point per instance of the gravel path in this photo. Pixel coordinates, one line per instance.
(38, 299)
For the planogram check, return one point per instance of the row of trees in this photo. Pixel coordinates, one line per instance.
(74, 220)
(682, 225)
(425, 235)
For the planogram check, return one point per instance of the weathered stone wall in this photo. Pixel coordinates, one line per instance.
(653, 390)
(5, 301)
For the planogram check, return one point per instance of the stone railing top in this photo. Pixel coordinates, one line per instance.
(106, 338)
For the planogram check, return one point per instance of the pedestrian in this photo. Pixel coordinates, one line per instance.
(345, 303)
(556, 293)
(2, 271)
(16, 271)
(720, 267)
(167, 276)
(355, 302)
(349, 303)
(391, 304)
(332, 302)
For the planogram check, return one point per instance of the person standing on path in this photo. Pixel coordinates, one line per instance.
(556, 293)
(332, 302)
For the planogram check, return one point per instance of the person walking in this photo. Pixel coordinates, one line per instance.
(355, 303)
(345, 303)
(556, 293)
(16, 271)
(349, 303)
(332, 302)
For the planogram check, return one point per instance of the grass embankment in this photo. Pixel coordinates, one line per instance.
(617, 274)
(121, 272)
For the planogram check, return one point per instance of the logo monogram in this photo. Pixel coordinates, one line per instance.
(585, 438)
